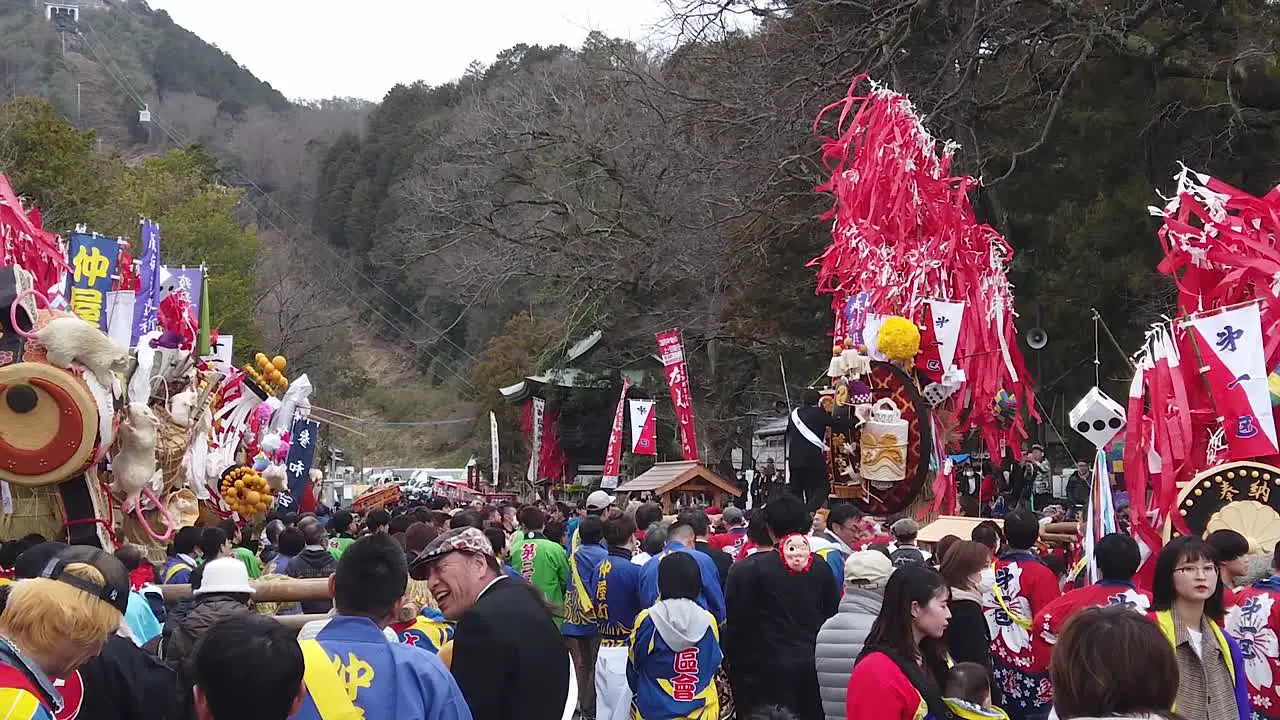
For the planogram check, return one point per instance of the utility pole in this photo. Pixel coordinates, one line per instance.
(79, 117)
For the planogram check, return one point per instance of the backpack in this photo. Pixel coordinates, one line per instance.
(906, 556)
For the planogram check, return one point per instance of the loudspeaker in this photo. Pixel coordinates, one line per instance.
(1037, 338)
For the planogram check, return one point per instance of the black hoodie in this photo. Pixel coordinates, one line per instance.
(313, 562)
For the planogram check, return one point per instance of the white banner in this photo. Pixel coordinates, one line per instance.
(120, 316)
(1235, 368)
(493, 442)
(539, 411)
(220, 355)
(642, 427)
(871, 335)
(947, 317)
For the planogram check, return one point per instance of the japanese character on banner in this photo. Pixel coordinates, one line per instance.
(93, 265)
(1232, 349)
(301, 455)
(671, 351)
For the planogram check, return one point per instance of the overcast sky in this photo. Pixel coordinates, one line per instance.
(317, 49)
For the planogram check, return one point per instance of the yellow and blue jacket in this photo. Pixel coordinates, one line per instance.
(675, 655)
(615, 586)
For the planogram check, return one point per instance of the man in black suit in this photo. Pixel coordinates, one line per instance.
(806, 451)
(508, 656)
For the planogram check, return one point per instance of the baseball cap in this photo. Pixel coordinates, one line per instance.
(599, 500)
(115, 591)
(32, 560)
(905, 527)
(732, 514)
(464, 539)
(867, 569)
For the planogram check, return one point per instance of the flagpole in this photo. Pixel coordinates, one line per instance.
(1218, 311)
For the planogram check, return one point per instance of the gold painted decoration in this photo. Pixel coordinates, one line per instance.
(1260, 524)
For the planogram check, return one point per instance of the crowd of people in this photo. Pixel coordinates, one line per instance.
(617, 611)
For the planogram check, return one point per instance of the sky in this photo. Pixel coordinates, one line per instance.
(313, 49)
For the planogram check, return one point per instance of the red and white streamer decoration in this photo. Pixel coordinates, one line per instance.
(903, 230)
(613, 457)
(1220, 246)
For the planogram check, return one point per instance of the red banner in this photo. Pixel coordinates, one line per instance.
(26, 244)
(671, 350)
(613, 458)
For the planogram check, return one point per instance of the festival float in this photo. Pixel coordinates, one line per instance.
(1200, 448)
(121, 417)
(925, 346)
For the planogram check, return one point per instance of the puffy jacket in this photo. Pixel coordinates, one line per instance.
(840, 642)
(179, 639)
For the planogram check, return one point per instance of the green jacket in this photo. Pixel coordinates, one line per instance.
(338, 545)
(545, 565)
(246, 556)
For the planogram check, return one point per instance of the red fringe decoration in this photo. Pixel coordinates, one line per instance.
(552, 462)
(904, 231)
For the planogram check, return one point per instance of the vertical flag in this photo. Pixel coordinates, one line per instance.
(93, 263)
(493, 445)
(1231, 348)
(613, 456)
(1101, 517)
(148, 298)
(929, 359)
(947, 318)
(302, 452)
(120, 304)
(202, 342)
(185, 281)
(539, 413)
(671, 351)
(644, 439)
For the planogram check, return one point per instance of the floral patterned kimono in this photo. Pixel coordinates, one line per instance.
(1023, 587)
(1254, 620)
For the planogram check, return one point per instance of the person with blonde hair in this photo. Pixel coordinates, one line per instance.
(55, 622)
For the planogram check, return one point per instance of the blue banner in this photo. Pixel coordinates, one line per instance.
(93, 269)
(148, 297)
(302, 450)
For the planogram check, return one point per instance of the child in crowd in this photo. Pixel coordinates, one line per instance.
(968, 693)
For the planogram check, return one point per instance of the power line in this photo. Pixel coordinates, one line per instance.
(174, 135)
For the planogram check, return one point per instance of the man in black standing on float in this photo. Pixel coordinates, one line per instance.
(806, 451)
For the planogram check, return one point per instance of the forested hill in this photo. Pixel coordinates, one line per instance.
(611, 188)
(118, 58)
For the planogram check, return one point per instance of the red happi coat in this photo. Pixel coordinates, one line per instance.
(1254, 620)
(1050, 621)
(1024, 587)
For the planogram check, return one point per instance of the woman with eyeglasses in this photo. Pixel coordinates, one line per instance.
(1187, 606)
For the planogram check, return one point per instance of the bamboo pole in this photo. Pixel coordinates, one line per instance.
(270, 590)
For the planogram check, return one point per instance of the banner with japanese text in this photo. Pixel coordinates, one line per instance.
(613, 457)
(493, 446)
(535, 454)
(1231, 348)
(148, 297)
(186, 281)
(302, 452)
(93, 265)
(671, 352)
(644, 428)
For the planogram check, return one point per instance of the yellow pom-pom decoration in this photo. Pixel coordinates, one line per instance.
(899, 339)
(279, 363)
